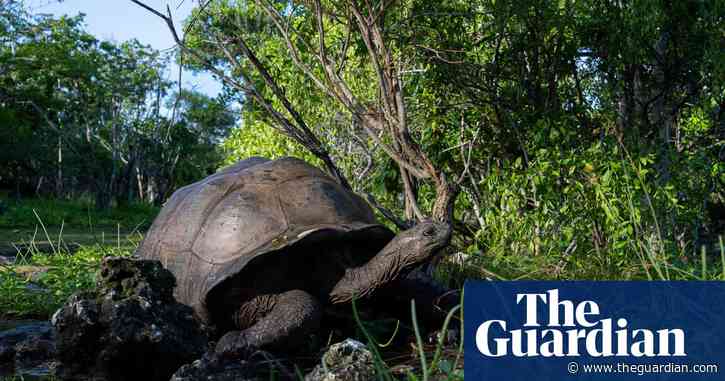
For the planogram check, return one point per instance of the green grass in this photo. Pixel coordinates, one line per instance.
(432, 362)
(78, 214)
(55, 277)
(43, 225)
(68, 273)
(59, 246)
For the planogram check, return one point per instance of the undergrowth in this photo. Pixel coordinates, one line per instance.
(37, 283)
(433, 362)
(599, 213)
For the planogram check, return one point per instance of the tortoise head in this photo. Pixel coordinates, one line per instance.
(421, 242)
(408, 249)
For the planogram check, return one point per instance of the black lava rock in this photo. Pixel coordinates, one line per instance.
(130, 328)
(259, 365)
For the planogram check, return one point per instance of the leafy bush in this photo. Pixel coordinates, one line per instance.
(256, 138)
(597, 213)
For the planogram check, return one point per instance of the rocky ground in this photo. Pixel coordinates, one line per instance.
(27, 348)
(131, 328)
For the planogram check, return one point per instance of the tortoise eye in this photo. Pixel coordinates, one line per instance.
(429, 232)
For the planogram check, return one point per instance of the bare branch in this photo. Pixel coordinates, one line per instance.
(301, 132)
(439, 56)
(402, 225)
(385, 120)
(294, 51)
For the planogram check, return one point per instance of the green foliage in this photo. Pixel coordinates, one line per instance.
(194, 141)
(59, 276)
(74, 214)
(328, 120)
(587, 132)
(256, 138)
(81, 115)
(593, 214)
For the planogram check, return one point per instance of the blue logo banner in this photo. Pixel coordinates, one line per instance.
(585, 330)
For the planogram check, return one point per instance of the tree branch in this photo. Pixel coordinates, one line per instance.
(300, 132)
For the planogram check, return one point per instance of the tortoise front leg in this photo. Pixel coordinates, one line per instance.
(282, 320)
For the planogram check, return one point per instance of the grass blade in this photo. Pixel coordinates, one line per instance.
(380, 368)
(419, 340)
(47, 236)
(703, 254)
(444, 329)
(722, 257)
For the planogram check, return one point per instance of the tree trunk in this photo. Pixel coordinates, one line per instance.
(410, 194)
(112, 188)
(446, 194)
(103, 198)
(59, 172)
(139, 183)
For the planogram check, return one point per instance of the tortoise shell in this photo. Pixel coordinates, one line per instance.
(208, 231)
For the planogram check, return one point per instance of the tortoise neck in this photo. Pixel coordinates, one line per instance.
(359, 282)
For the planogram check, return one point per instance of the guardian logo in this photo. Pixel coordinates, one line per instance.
(569, 327)
(537, 331)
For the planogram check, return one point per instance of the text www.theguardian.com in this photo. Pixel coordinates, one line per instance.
(576, 368)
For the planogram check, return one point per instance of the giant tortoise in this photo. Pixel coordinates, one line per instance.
(259, 248)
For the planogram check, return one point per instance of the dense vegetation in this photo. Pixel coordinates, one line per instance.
(585, 138)
(574, 139)
(82, 117)
(571, 139)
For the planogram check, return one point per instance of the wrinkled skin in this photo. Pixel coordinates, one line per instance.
(277, 301)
